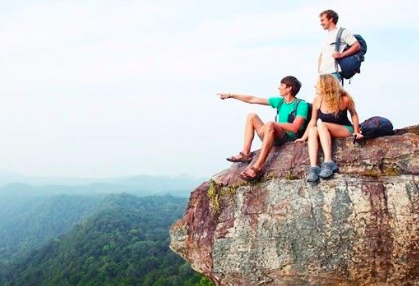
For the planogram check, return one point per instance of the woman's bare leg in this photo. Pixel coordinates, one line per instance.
(313, 145)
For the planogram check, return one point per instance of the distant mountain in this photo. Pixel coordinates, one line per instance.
(26, 223)
(9, 177)
(146, 181)
(124, 242)
(138, 185)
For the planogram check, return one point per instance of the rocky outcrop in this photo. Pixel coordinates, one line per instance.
(359, 228)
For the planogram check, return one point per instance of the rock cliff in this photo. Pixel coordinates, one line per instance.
(359, 228)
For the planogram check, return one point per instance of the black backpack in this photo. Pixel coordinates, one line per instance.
(350, 65)
(293, 113)
(376, 126)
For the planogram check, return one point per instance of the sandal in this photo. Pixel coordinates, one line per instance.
(243, 159)
(257, 176)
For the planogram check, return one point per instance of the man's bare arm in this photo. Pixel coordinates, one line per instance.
(294, 126)
(352, 50)
(245, 98)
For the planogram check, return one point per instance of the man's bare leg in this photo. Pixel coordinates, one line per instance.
(253, 123)
(270, 132)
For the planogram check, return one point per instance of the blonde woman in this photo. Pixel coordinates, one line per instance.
(329, 120)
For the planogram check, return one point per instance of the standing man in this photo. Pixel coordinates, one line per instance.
(328, 56)
(271, 133)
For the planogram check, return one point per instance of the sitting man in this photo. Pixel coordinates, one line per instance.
(271, 133)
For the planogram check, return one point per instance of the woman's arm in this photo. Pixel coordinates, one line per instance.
(245, 98)
(355, 119)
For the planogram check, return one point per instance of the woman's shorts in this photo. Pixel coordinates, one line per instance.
(350, 128)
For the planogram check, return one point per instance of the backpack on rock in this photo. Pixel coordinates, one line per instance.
(376, 126)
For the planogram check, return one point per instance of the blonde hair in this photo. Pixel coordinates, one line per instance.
(329, 89)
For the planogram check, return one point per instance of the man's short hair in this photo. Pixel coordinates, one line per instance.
(293, 82)
(330, 14)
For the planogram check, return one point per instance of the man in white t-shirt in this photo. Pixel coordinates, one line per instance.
(329, 55)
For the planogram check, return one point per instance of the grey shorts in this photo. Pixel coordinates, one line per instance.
(284, 139)
(279, 141)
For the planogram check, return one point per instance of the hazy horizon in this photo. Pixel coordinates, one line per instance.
(12, 183)
(100, 89)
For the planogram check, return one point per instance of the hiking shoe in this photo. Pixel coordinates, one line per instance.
(328, 168)
(313, 174)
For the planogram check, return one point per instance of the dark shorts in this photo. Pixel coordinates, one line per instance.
(279, 141)
(284, 139)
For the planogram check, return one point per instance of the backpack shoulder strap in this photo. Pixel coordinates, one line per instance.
(294, 110)
(338, 39)
(278, 108)
(297, 102)
(337, 46)
(279, 105)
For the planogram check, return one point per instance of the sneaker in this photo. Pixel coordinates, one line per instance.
(313, 174)
(328, 168)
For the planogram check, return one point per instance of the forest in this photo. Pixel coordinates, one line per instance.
(119, 239)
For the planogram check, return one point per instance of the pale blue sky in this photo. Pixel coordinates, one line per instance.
(112, 88)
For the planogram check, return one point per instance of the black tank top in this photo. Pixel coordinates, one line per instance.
(340, 118)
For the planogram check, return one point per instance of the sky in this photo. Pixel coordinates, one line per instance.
(119, 88)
